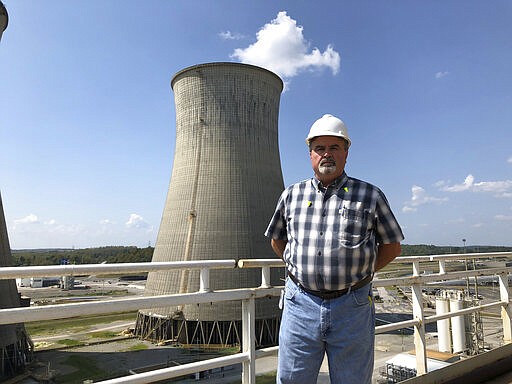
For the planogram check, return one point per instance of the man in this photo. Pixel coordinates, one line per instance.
(333, 232)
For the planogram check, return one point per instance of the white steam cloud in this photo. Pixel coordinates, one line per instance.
(281, 47)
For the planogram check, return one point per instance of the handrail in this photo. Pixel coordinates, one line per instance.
(452, 256)
(185, 369)
(112, 268)
(247, 296)
(48, 312)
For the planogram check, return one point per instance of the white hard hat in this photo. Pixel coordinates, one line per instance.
(328, 125)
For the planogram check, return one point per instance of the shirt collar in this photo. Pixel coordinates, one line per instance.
(335, 185)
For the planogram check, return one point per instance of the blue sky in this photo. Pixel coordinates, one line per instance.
(87, 120)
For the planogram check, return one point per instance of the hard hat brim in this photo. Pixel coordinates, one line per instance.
(309, 139)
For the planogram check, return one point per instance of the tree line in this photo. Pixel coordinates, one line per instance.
(82, 256)
(122, 254)
(425, 249)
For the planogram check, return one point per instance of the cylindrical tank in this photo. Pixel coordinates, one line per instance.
(458, 323)
(225, 182)
(443, 326)
(67, 282)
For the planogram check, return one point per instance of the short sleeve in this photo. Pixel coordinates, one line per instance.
(387, 228)
(277, 227)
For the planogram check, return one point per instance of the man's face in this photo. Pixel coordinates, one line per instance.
(328, 157)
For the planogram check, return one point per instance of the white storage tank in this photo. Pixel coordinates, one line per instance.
(458, 323)
(443, 326)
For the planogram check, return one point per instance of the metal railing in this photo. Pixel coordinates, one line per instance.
(249, 354)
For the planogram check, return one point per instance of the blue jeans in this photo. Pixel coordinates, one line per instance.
(344, 328)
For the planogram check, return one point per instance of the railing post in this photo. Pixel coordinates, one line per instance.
(248, 341)
(419, 329)
(265, 277)
(442, 267)
(506, 309)
(204, 280)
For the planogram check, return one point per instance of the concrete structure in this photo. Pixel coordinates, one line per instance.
(4, 19)
(225, 183)
(15, 345)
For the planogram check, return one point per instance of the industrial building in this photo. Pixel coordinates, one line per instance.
(225, 182)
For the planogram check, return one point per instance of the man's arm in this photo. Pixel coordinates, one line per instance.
(386, 253)
(278, 246)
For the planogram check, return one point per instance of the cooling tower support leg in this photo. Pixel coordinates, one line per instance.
(15, 357)
(506, 310)
(248, 346)
(188, 332)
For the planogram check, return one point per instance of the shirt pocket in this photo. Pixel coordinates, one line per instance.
(355, 225)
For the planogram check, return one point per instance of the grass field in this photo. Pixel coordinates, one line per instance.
(81, 324)
(80, 367)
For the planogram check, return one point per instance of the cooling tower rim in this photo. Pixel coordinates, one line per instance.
(224, 64)
(4, 17)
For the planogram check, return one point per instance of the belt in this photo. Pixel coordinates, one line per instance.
(328, 295)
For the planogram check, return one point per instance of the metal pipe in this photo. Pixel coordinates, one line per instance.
(186, 369)
(204, 280)
(248, 344)
(506, 310)
(114, 268)
(265, 278)
(62, 311)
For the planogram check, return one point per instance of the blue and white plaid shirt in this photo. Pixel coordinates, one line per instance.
(333, 233)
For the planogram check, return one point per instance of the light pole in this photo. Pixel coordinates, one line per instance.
(466, 265)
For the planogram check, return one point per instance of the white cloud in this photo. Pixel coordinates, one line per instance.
(30, 219)
(282, 48)
(33, 220)
(35, 229)
(467, 184)
(440, 75)
(420, 197)
(509, 160)
(500, 188)
(137, 221)
(503, 217)
(460, 220)
(228, 35)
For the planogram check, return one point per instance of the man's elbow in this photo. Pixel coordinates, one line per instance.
(278, 246)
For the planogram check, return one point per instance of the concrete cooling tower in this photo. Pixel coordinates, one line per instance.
(225, 182)
(4, 19)
(16, 348)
